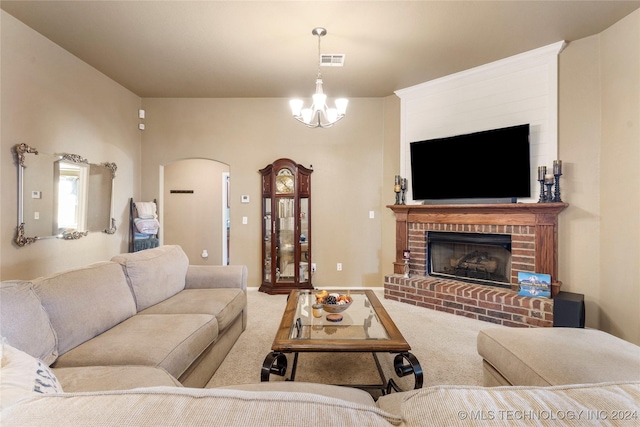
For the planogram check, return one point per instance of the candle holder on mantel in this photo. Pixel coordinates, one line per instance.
(397, 188)
(403, 188)
(557, 173)
(542, 171)
(549, 181)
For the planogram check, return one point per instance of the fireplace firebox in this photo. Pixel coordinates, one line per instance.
(479, 258)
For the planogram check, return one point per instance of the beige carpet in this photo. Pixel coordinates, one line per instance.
(444, 344)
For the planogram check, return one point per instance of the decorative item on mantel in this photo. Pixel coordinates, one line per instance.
(557, 172)
(547, 181)
(400, 188)
(406, 255)
(403, 187)
(542, 171)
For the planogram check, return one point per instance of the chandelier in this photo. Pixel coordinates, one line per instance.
(319, 115)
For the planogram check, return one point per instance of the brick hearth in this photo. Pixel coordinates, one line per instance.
(487, 303)
(533, 230)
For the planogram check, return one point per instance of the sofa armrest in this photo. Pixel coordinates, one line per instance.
(216, 276)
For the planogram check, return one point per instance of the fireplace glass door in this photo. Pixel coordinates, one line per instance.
(472, 257)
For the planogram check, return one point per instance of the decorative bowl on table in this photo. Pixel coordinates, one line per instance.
(336, 308)
(333, 303)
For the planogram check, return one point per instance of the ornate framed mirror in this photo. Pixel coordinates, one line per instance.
(62, 196)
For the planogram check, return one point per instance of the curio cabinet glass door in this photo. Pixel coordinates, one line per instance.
(286, 227)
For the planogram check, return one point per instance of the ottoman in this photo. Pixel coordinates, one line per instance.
(555, 356)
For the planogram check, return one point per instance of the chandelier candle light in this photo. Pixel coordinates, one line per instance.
(319, 115)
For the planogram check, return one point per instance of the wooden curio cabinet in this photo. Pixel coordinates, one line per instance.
(286, 227)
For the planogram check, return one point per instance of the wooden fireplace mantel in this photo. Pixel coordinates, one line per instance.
(542, 216)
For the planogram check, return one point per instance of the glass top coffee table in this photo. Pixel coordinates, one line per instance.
(365, 327)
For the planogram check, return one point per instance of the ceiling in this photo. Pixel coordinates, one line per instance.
(232, 49)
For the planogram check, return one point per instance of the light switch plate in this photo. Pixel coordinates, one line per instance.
(244, 198)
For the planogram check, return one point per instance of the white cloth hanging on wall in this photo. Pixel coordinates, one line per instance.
(146, 209)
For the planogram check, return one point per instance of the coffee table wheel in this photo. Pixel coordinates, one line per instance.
(275, 363)
(413, 367)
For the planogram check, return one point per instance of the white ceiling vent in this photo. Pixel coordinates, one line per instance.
(332, 59)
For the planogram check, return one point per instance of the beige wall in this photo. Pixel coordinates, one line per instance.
(620, 179)
(599, 143)
(58, 104)
(391, 168)
(579, 148)
(248, 134)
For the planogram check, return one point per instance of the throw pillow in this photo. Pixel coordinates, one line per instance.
(22, 375)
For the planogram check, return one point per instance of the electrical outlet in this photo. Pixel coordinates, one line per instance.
(313, 267)
(339, 266)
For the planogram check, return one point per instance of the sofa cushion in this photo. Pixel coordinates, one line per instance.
(154, 274)
(22, 375)
(103, 378)
(170, 406)
(555, 356)
(591, 404)
(85, 302)
(24, 322)
(225, 304)
(169, 341)
(216, 276)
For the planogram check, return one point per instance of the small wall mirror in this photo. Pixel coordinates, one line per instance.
(62, 196)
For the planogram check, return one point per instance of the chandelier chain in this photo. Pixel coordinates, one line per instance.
(319, 56)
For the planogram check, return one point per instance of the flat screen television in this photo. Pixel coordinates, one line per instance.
(480, 167)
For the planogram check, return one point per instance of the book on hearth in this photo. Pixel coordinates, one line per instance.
(534, 284)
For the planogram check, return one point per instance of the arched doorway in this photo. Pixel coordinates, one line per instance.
(195, 210)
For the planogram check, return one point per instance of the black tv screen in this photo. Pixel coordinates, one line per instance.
(492, 164)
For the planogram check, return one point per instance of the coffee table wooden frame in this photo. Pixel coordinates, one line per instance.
(405, 363)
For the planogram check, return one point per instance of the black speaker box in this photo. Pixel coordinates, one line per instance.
(568, 310)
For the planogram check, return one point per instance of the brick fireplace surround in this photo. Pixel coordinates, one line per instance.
(534, 248)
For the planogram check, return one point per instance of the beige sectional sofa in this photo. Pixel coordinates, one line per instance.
(301, 404)
(126, 365)
(143, 319)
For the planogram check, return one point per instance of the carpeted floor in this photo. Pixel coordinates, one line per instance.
(444, 344)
